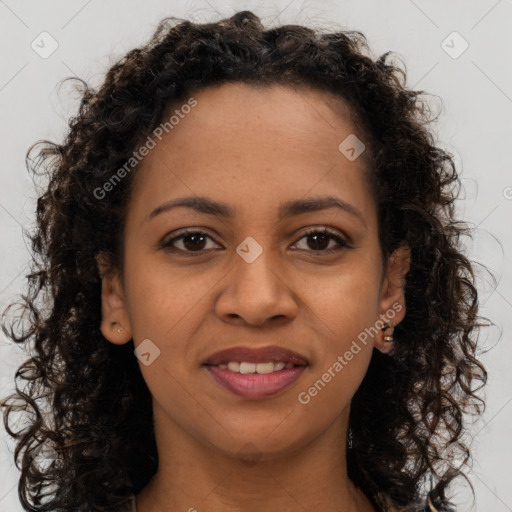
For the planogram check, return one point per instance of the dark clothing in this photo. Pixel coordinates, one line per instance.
(427, 507)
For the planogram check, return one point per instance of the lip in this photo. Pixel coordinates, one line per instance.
(272, 353)
(253, 385)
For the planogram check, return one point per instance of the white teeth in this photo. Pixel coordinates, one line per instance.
(265, 367)
(247, 367)
(260, 368)
(234, 366)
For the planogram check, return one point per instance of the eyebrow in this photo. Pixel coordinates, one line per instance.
(205, 205)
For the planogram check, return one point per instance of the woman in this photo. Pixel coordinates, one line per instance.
(258, 299)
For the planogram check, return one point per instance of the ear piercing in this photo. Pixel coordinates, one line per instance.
(388, 337)
(118, 330)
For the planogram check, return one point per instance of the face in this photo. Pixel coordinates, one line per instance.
(266, 275)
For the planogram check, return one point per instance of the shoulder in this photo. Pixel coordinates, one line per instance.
(129, 506)
(425, 505)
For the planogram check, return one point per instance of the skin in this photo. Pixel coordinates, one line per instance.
(252, 148)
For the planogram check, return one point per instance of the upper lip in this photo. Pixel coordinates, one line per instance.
(271, 353)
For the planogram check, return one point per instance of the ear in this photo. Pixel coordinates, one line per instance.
(115, 322)
(392, 298)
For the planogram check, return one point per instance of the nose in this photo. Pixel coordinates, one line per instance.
(256, 293)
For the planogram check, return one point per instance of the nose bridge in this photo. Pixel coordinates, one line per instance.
(256, 291)
(254, 266)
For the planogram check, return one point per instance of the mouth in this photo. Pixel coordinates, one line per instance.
(256, 373)
(263, 355)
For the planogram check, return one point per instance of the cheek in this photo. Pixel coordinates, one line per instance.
(345, 309)
(338, 373)
(167, 308)
(346, 302)
(163, 301)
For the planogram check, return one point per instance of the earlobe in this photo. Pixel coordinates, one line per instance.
(114, 333)
(392, 302)
(385, 341)
(115, 323)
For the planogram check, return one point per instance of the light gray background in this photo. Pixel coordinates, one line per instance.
(475, 125)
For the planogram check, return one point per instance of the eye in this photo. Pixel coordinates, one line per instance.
(195, 241)
(192, 242)
(322, 236)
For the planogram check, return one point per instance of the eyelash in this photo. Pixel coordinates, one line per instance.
(342, 243)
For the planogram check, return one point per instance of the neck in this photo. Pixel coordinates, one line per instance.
(194, 476)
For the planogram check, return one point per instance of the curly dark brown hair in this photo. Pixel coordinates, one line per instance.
(408, 416)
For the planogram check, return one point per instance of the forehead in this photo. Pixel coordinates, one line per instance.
(241, 114)
(249, 142)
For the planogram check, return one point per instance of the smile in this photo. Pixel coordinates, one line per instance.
(254, 373)
(260, 368)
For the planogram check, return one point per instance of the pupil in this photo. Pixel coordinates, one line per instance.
(193, 245)
(322, 236)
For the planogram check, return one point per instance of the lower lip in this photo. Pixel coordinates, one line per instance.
(255, 385)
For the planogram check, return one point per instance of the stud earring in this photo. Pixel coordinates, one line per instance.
(388, 337)
(119, 329)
